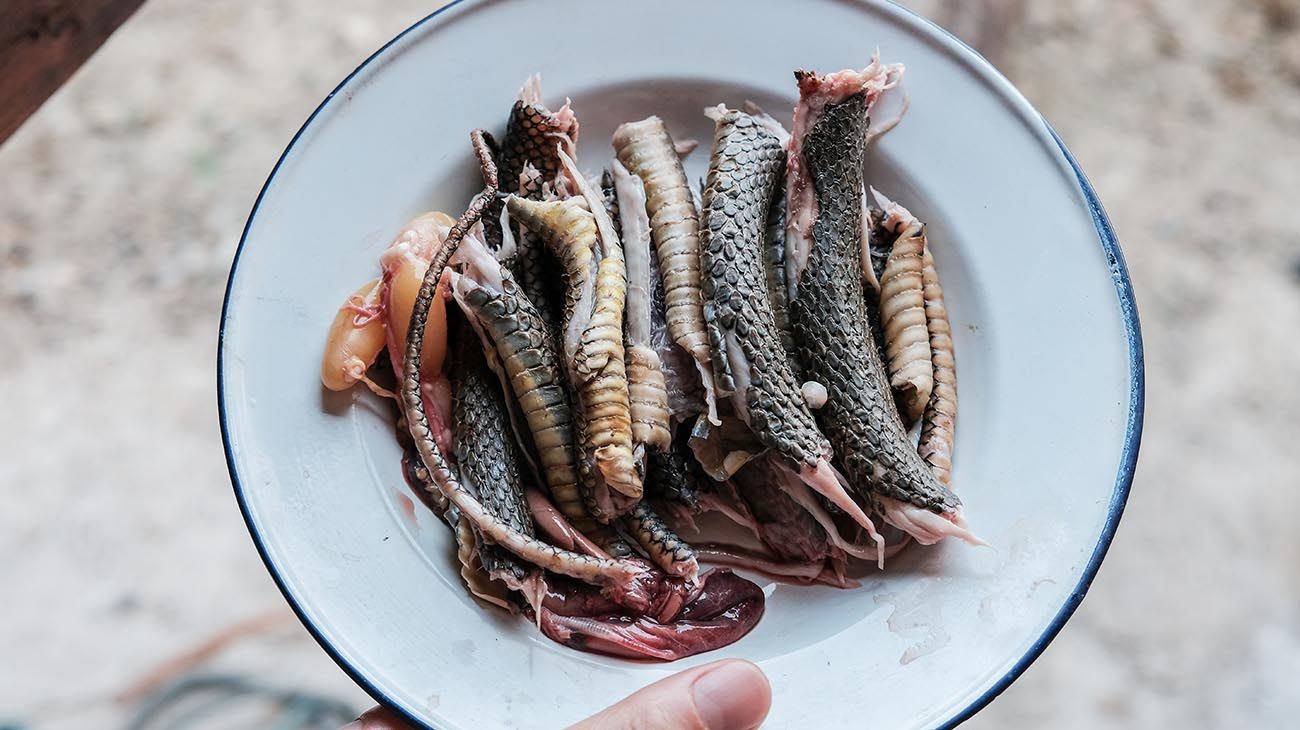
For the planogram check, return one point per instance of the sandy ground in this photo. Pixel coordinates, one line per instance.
(122, 200)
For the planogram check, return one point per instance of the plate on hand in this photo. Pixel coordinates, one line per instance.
(1043, 317)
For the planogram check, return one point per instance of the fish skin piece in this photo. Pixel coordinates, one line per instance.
(902, 311)
(660, 543)
(646, 149)
(939, 421)
(830, 319)
(593, 340)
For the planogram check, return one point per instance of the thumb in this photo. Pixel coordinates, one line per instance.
(727, 695)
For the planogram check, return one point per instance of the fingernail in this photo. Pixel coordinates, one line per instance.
(733, 696)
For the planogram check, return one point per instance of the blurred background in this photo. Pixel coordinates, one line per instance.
(123, 558)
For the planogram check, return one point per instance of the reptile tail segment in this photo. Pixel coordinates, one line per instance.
(529, 159)
(647, 150)
(902, 310)
(488, 462)
(593, 341)
(824, 267)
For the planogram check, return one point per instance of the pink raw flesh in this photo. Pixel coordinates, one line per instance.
(557, 528)
(806, 572)
(925, 526)
(722, 610)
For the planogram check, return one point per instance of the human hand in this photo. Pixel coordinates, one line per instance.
(726, 695)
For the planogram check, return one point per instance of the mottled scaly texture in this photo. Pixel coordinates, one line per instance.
(748, 358)
(594, 316)
(939, 422)
(646, 149)
(660, 543)
(774, 273)
(533, 136)
(830, 323)
(532, 367)
(487, 456)
(675, 475)
(624, 581)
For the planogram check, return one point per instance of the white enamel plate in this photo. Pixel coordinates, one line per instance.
(1048, 350)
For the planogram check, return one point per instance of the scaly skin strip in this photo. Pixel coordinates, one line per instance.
(535, 134)
(830, 324)
(660, 543)
(939, 422)
(647, 388)
(529, 156)
(487, 456)
(625, 581)
(533, 371)
(674, 475)
(902, 311)
(748, 359)
(646, 149)
(815, 93)
(594, 339)
(569, 230)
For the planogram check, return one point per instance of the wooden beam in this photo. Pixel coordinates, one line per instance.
(42, 43)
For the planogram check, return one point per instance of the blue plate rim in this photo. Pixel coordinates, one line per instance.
(1128, 455)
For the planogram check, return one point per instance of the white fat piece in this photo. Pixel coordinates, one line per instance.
(609, 242)
(475, 261)
(631, 195)
(814, 394)
(740, 374)
(868, 271)
(509, 245)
